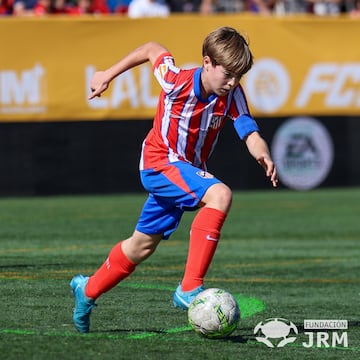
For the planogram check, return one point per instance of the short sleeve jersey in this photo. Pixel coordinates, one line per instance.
(186, 126)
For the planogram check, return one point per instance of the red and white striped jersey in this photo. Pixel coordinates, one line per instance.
(186, 127)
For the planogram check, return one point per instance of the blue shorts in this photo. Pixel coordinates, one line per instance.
(178, 187)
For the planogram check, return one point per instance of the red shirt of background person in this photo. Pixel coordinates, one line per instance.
(84, 7)
(6, 7)
(42, 7)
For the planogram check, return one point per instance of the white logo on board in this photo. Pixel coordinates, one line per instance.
(267, 85)
(23, 91)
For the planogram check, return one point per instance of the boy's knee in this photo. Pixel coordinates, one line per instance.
(140, 246)
(218, 196)
(224, 193)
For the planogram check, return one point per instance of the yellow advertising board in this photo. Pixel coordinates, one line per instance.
(303, 65)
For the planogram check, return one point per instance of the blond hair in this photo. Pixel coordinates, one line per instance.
(226, 47)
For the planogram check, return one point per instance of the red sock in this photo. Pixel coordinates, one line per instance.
(204, 236)
(116, 268)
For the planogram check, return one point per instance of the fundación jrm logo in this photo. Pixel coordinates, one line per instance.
(333, 336)
(278, 332)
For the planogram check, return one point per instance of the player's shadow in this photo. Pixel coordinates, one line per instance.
(239, 339)
(133, 331)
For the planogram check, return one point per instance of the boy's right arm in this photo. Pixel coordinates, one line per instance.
(147, 52)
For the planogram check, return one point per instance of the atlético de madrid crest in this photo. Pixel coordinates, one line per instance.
(204, 174)
(216, 122)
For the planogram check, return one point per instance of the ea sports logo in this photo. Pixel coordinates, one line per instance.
(275, 332)
(303, 152)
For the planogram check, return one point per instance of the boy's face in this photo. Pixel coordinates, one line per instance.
(216, 79)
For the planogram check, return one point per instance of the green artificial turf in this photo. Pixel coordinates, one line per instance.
(283, 254)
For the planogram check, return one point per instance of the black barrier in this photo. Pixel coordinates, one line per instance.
(102, 157)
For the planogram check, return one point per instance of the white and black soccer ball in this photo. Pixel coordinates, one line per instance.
(214, 313)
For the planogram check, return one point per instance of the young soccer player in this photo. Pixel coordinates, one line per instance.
(193, 107)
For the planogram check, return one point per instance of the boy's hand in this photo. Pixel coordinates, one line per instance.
(98, 84)
(270, 169)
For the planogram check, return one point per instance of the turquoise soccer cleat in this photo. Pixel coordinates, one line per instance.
(83, 304)
(183, 299)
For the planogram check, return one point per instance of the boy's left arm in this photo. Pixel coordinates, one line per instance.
(259, 149)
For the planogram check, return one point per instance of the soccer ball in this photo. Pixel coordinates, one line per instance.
(214, 313)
